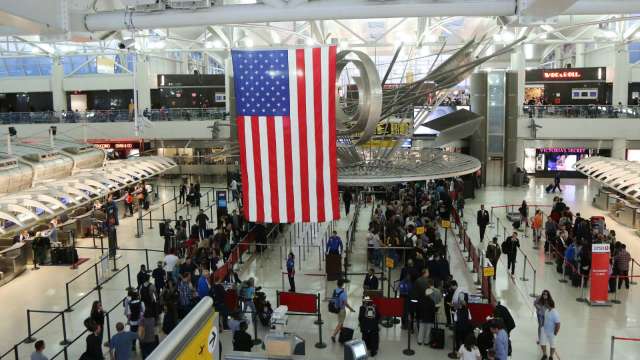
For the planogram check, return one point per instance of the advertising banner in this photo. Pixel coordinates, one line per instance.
(599, 292)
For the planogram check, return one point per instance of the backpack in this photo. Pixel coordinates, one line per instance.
(242, 291)
(404, 288)
(408, 241)
(333, 303)
(135, 308)
(505, 247)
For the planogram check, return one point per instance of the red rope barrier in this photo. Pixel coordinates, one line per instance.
(626, 339)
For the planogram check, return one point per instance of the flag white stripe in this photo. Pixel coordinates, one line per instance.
(264, 166)
(326, 171)
(251, 175)
(295, 135)
(280, 162)
(311, 141)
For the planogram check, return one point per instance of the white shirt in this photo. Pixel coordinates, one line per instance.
(170, 262)
(464, 354)
(234, 185)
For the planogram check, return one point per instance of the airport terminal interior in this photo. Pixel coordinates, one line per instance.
(320, 179)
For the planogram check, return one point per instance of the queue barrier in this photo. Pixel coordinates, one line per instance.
(300, 304)
(619, 338)
(480, 312)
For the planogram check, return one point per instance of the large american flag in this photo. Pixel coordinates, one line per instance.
(285, 103)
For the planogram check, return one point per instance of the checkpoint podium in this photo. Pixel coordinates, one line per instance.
(333, 266)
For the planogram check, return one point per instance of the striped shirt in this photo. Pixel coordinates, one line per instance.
(622, 260)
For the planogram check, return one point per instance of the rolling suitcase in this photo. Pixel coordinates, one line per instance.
(436, 338)
(516, 225)
(548, 188)
(346, 334)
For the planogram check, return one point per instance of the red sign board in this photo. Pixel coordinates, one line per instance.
(561, 75)
(599, 292)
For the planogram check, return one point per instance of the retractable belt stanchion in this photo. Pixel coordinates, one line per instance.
(300, 304)
(582, 297)
(617, 290)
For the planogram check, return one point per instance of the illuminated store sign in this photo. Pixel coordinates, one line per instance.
(578, 150)
(562, 75)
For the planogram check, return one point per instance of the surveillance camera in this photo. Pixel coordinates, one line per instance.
(126, 44)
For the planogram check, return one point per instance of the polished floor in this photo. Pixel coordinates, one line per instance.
(585, 334)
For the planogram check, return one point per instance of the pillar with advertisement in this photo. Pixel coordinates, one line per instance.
(599, 292)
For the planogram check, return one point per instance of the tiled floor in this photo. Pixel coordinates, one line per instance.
(585, 332)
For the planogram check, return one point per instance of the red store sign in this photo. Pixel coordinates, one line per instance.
(562, 75)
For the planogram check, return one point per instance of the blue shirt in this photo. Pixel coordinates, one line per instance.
(342, 298)
(203, 287)
(290, 266)
(334, 244)
(121, 343)
(501, 345)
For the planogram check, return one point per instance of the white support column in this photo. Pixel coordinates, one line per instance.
(579, 55)
(143, 83)
(518, 64)
(57, 88)
(619, 149)
(621, 74)
(558, 56)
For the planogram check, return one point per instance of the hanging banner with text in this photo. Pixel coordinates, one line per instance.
(599, 293)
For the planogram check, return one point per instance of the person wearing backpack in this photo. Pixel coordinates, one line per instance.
(510, 248)
(493, 254)
(339, 305)
(368, 320)
(134, 310)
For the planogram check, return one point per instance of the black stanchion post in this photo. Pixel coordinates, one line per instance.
(129, 275)
(408, 351)
(146, 258)
(107, 318)
(66, 288)
(150, 220)
(524, 269)
(256, 341)
(97, 278)
(581, 298)
(115, 265)
(15, 351)
(615, 293)
(64, 331)
(319, 320)
(29, 339)
(320, 344)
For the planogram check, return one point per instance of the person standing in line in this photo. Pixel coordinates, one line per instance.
(536, 226)
(500, 341)
(340, 295)
(120, 343)
(159, 278)
(346, 197)
(94, 348)
(482, 221)
(524, 214)
(550, 329)
(510, 248)
(334, 244)
(201, 220)
(468, 350)
(370, 281)
(622, 260)
(147, 334)
(368, 320)
(128, 201)
(97, 315)
(134, 311)
(38, 353)
(426, 315)
(493, 254)
(291, 272)
(183, 193)
(556, 183)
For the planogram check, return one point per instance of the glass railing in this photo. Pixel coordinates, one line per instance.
(581, 111)
(205, 160)
(97, 116)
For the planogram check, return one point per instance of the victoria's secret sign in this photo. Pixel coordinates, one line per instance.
(591, 74)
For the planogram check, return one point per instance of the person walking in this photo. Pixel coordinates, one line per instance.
(340, 301)
(183, 193)
(524, 215)
(346, 197)
(482, 219)
(493, 254)
(38, 353)
(291, 272)
(147, 334)
(93, 350)
(550, 329)
(368, 320)
(201, 220)
(621, 261)
(510, 248)
(556, 183)
(541, 304)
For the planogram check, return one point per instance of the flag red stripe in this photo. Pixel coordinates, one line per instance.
(317, 100)
(273, 169)
(243, 164)
(302, 126)
(255, 131)
(288, 167)
(333, 166)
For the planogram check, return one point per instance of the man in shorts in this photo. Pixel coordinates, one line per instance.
(342, 304)
(550, 329)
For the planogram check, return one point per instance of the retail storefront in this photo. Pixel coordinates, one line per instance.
(551, 160)
(121, 148)
(568, 86)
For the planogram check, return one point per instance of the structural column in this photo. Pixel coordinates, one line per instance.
(57, 88)
(621, 74)
(518, 65)
(619, 149)
(143, 84)
(579, 55)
